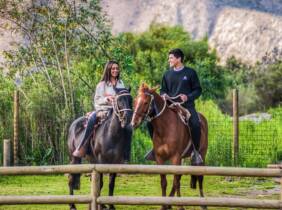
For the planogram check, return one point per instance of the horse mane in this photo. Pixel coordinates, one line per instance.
(121, 90)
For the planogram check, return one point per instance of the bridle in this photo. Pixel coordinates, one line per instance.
(118, 112)
(151, 106)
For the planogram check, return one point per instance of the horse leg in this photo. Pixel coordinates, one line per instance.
(74, 180)
(163, 181)
(163, 185)
(201, 179)
(111, 188)
(176, 181)
(102, 206)
(178, 178)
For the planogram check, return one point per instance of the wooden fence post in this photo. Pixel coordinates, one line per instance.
(235, 127)
(16, 127)
(7, 152)
(95, 189)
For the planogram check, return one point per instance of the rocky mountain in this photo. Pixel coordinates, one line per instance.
(247, 29)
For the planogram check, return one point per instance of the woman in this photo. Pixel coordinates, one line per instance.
(104, 96)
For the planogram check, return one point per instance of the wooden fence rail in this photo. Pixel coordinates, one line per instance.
(95, 199)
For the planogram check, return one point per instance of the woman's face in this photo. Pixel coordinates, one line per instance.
(114, 70)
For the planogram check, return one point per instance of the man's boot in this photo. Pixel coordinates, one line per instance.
(196, 158)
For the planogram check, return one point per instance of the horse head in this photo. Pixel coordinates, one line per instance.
(143, 104)
(122, 106)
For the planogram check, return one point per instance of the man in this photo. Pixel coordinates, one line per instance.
(183, 82)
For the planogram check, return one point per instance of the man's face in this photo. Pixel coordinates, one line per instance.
(173, 61)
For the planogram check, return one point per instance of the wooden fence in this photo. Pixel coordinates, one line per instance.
(95, 199)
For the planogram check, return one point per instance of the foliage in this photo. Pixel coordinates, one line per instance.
(259, 85)
(150, 51)
(268, 83)
(56, 34)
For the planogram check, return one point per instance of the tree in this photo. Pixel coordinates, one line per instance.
(55, 36)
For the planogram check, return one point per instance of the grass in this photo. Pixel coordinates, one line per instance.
(134, 185)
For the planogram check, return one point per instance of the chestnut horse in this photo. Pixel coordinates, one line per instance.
(171, 137)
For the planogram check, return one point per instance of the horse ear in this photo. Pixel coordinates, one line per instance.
(155, 88)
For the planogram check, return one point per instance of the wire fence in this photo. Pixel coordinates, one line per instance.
(44, 141)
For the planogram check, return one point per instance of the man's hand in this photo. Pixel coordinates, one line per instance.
(183, 97)
(165, 96)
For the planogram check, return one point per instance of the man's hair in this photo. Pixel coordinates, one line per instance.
(178, 53)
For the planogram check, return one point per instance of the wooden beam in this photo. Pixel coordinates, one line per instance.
(193, 170)
(95, 189)
(7, 152)
(16, 127)
(142, 169)
(274, 166)
(42, 170)
(46, 199)
(235, 128)
(191, 201)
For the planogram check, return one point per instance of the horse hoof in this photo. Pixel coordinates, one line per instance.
(165, 208)
(103, 207)
(72, 207)
(204, 208)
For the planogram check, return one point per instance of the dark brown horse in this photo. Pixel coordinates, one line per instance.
(108, 145)
(170, 137)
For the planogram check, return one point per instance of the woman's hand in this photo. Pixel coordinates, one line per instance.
(110, 99)
(183, 97)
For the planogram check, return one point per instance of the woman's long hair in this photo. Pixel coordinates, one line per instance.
(107, 71)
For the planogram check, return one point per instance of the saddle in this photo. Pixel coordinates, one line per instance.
(101, 117)
(183, 113)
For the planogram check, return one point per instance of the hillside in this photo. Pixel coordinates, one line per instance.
(246, 29)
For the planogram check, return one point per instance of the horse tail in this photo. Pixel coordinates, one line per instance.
(74, 179)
